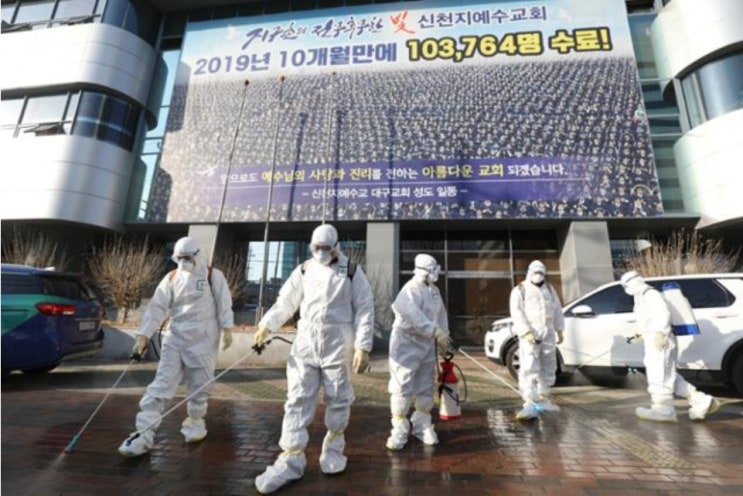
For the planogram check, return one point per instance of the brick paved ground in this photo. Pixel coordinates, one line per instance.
(594, 446)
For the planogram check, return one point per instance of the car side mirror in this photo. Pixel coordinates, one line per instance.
(583, 311)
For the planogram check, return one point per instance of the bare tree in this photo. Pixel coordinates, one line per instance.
(381, 289)
(233, 265)
(35, 249)
(683, 253)
(122, 269)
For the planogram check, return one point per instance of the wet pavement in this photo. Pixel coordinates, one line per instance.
(594, 446)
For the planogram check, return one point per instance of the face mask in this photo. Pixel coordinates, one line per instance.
(433, 274)
(323, 257)
(186, 265)
(537, 278)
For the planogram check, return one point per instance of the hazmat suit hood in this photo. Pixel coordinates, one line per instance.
(536, 272)
(184, 253)
(324, 244)
(426, 268)
(633, 283)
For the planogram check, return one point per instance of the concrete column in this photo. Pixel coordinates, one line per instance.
(209, 237)
(585, 258)
(382, 269)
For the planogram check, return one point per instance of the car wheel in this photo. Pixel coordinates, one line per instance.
(40, 370)
(512, 359)
(736, 374)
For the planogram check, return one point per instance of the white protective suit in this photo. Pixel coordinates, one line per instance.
(189, 350)
(419, 310)
(336, 317)
(661, 355)
(536, 310)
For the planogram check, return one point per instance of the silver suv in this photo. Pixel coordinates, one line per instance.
(599, 325)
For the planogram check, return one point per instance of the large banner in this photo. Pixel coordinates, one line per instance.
(424, 110)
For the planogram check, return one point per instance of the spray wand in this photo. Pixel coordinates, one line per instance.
(254, 349)
(135, 357)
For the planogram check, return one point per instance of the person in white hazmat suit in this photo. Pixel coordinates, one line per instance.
(199, 305)
(336, 317)
(420, 326)
(661, 354)
(536, 312)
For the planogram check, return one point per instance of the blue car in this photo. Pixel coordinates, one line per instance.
(47, 317)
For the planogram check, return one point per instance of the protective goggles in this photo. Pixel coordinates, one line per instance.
(321, 248)
(187, 258)
(435, 270)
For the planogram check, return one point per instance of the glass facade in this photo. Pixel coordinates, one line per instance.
(41, 14)
(663, 118)
(136, 16)
(153, 142)
(78, 112)
(478, 272)
(714, 89)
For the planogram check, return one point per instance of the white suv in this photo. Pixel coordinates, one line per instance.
(599, 327)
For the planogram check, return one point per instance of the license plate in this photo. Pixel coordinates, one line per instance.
(87, 325)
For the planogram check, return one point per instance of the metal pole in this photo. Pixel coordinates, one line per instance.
(259, 310)
(327, 145)
(229, 170)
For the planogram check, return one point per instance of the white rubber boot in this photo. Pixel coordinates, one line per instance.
(137, 444)
(701, 405)
(288, 466)
(193, 430)
(332, 459)
(658, 412)
(399, 434)
(423, 428)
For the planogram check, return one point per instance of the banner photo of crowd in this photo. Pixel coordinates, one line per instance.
(424, 110)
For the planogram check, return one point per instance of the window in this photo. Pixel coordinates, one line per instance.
(66, 287)
(714, 89)
(478, 272)
(702, 293)
(640, 31)
(101, 116)
(8, 10)
(154, 139)
(10, 114)
(44, 115)
(73, 8)
(19, 284)
(36, 14)
(668, 179)
(107, 118)
(32, 11)
(45, 108)
(608, 302)
(136, 16)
